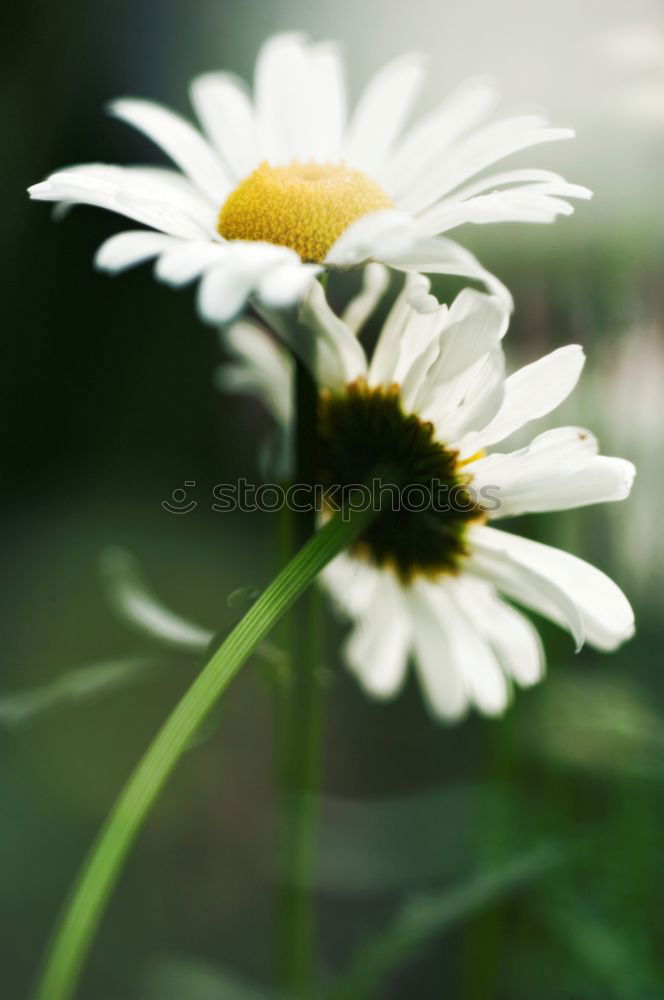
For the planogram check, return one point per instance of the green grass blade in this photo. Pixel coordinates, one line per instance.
(83, 910)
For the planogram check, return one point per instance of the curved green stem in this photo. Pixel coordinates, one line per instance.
(83, 911)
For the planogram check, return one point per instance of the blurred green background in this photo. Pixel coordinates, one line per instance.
(511, 859)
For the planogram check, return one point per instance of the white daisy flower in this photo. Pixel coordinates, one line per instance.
(285, 184)
(430, 585)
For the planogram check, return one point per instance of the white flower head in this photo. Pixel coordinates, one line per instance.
(429, 585)
(284, 184)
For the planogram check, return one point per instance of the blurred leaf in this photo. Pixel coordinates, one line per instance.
(80, 685)
(191, 979)
(426, 917)
(137, 607)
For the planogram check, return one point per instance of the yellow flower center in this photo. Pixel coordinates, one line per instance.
(305, 206)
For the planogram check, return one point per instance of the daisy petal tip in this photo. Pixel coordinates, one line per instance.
(449, 716)
(422, 301)
(575, 353)
(555, 133)
(627, 477)
(117, 106)
(496, 710)
(41, 191)
(619, 639)
(216, 317)
(104, 259)
(286, 38)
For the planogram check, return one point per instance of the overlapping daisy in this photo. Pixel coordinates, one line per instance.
(430, 586)
(284, 184)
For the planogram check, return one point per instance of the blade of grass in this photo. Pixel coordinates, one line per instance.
(83, 910)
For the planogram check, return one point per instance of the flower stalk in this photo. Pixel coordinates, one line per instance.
(300, 721)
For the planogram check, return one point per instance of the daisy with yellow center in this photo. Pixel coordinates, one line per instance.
(427, 584)
(285, 184)
(310, 206)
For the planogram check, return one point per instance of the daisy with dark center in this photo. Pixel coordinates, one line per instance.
(426, 505)
(286, 184)
(429, 585)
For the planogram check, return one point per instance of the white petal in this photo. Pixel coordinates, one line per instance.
(327, 104)
(300, 100)
(226, 287)
(430, 137)
(352, 585)
(473, 328)
(179, 140)
(530, 203)
(436, 654)
(224, 107)
(436, 255)
(173, 188)
(605, 615)
(374, 282)
(468, 400)
(282, 91)
(260, 367)
(382, 112)
(377, 648)
(493, 182)
(492, 560)
(125, 190)
(478, 151)
(379, 236)
(484, 679)
(408, 343)
(133, 247)
(132, 600)
(186, 261)
(286, 283)
(222, 293)
(391, 342)
(325, 344)
(514, 639)
(420, 346)
(559, 470)
(530, 393)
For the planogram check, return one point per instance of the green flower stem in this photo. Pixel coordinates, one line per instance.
(300, 722)
(84, 909)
